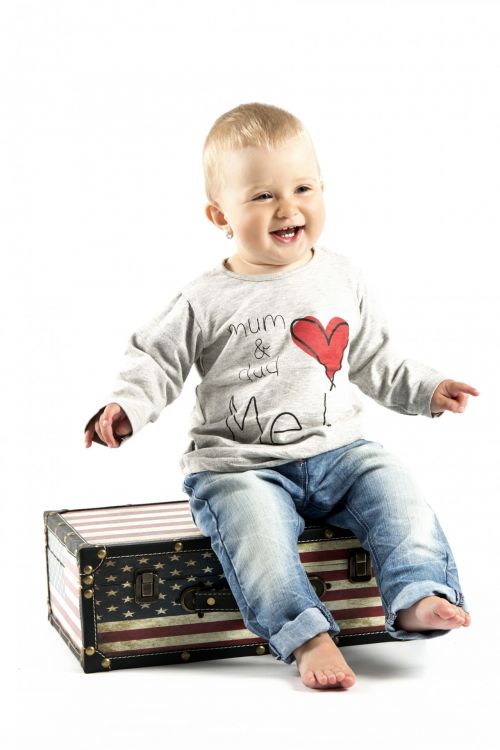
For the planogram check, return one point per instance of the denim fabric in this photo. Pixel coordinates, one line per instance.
(254, 518)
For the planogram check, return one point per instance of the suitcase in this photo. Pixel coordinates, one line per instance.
(139, 585)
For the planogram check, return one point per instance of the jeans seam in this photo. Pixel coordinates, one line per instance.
(366, 528)
(250, 610)
(372, 550)
(447, 570)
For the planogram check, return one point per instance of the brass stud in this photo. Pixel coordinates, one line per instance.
(106, 663)
(101, 554)
(210, 601)
(260, 650)
(88, 593)
(178, 546)
(185, 656)
(90, 651)
(88, 580)
(88, 569)
(328, 533)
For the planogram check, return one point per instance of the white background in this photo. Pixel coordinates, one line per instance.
(104, 110)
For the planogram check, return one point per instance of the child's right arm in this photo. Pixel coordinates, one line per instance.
(110, 425)
(157, 361)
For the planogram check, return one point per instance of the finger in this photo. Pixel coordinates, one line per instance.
(453, 405)
(110, 414)
(123, 430)
(98, 431)
(106, 426)
(90, 432)
(455, 388)
(123, 426)
(116, 417)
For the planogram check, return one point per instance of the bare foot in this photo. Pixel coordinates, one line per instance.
(432, 613)
(321, 665)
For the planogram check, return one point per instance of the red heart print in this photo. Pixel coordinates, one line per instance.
(326, 346)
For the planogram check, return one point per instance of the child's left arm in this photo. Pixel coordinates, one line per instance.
(451, 396)
(395, 381)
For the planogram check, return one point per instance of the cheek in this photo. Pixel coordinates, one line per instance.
(252, 225)
(319, 212)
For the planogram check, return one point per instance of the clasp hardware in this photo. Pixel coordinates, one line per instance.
(359, 566)
(146, 586)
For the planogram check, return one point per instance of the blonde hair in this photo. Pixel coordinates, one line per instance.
(255, 124)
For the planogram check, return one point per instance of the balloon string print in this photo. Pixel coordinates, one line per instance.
(326, 346)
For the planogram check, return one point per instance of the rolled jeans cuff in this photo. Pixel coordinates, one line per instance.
(305, 626)
(412, 594)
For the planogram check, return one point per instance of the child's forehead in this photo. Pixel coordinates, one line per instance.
(254, 164)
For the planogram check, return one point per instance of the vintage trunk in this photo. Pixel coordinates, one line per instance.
(138, 585)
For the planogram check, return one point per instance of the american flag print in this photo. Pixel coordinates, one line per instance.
(64, 589)
(126, 627)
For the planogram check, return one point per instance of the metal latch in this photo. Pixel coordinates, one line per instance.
(146, 586)
(359, 566)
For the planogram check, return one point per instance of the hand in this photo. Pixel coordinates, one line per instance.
(451, 396)
(109, 424)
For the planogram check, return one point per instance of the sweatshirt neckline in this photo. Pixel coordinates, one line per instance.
(270, 276)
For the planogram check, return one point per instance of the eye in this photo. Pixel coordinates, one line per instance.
(263, 195)
(303, 187)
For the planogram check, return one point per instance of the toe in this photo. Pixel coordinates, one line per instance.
(348, 681)
(445, 610)
(454, 616)
(321, 677)
(309, 679)
(332, 679)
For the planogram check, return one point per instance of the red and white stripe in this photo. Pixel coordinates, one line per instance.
(142, 523)
(65, 608)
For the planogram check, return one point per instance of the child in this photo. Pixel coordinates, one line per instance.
(277, 332)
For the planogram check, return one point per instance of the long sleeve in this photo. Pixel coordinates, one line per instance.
(278, 356)
(401, 384)
(156, 363)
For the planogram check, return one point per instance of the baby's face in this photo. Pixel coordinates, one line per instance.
(268, 191)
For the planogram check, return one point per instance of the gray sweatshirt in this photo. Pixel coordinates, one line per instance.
(277, 355)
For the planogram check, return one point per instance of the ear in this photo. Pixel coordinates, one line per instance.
(215, 215)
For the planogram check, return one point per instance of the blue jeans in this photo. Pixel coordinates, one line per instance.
(254, 518)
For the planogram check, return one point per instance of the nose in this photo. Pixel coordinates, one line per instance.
(286, 208)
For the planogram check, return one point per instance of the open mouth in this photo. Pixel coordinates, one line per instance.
(288, 234)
